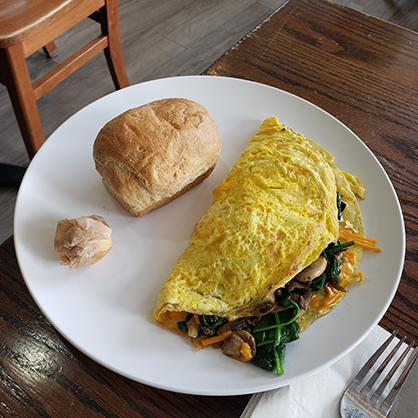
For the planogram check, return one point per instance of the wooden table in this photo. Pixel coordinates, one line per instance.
(358, 68)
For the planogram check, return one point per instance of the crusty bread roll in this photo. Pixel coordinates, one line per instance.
(152, 154)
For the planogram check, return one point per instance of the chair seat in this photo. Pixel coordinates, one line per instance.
(37, 20)
(29, 25)
(21, 19)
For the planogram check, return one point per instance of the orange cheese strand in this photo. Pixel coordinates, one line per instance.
(364, 242)
(246, 352)
(333, 298)
(315, 301)
(347, 269)
(216, 339)
(177, 316)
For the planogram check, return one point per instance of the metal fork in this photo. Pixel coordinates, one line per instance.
(360, 400)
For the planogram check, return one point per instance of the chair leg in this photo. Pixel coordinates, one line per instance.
(17, 79)
(113, 53)
(51, 49)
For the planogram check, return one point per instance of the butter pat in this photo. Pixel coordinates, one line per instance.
(82, 241)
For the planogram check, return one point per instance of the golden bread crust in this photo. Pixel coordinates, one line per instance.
(152, 154)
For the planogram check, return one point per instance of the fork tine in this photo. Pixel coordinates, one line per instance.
(379, 391)
(390, 399)
(361, 401)
(372, 360)
(382, 367)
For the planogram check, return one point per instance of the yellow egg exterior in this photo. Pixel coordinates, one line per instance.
(271, 217)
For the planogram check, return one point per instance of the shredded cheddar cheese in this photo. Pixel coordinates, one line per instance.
(333, 298)
(216, 339)
(315, 301)
(246, 352)
(364, 242)
(347, 269)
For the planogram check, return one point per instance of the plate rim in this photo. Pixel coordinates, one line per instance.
(38, 156)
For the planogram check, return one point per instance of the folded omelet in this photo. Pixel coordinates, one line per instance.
(271, 218)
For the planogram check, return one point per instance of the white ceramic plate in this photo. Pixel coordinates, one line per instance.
(105, 309)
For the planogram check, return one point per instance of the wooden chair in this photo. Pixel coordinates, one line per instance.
(27, 26)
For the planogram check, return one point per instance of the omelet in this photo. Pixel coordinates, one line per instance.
(271, 220)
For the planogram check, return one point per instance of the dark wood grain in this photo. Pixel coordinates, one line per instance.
(364, 72)
(361, 70)
(43, 375)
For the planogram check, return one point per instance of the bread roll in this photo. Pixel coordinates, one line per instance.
(152, 154)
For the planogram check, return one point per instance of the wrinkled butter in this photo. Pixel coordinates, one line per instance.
(82, 241)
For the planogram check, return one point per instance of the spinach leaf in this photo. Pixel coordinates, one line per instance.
(319, 282)
(334, 268)
(280, 356)
(336, 247)
(212, 321)
(290, 333)
(182, 325)
(286, 298)
(266, 358)
(271, 335)
(271, 358)
(333, 264)
(340, 206)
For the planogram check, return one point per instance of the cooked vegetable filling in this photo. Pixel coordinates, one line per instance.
(277, 249)
(262, 339)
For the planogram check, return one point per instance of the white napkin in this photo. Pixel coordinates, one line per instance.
(319, 396)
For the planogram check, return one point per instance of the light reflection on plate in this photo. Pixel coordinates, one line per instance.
(105, 309)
